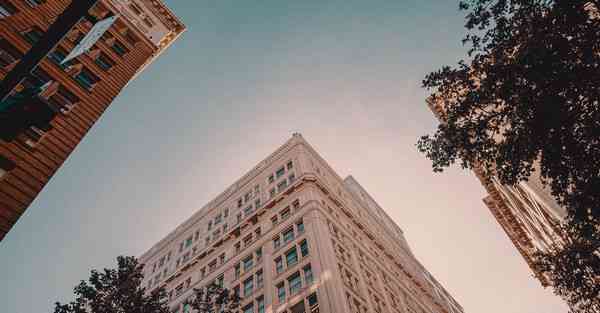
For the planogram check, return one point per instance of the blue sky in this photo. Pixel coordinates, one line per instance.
(246, 74)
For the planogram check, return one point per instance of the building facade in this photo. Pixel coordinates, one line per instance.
(527, 212)
(292, 236)
(75, 93)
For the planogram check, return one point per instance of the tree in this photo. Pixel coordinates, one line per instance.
(115, 291)
(213, 298)
(528, 98)
(574, 267)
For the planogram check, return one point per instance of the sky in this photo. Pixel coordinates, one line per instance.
(245, 76)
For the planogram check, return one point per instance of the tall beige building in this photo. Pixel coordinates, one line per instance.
(293, 236)
(527, 212)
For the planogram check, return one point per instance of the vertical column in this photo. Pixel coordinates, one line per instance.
(269, 287)
(331, 290)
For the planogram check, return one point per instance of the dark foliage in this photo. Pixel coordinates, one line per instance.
(115, 291)
(214, 298)
(575, 267)
(528, 100)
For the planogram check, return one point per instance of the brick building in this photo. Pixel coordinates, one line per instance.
(75, 93)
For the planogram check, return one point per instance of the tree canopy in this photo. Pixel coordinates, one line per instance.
(115, 291)
(525, 101)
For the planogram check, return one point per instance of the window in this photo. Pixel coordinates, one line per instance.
(131, 38)
(298, 307)
(135, 8)
(189, 241)
(285, 213)
(290, 165)
(104, 62)
(6, 166)
(219, 281)
(288, 235)
(34, 3)
(280, 292)
(271, 179)
(308, 274)
(292, 178)
(259, 279)
(222, 258)
(258, 232)
(296, 205)
(225, 228)
(280, 172)
(226, 212)
(119, 49)
(274, 220)
(272, 192)
(300, 226)
(279, 265)
(240, 203)
(258, 254)
(86, 79)
(148, 21)
(33, 35)
(186, 308)
(57, 56)
(248, 196)
(63, 100)
(6, 9)
(207, 241)
(239, 218)
(276, 242)
(295, 283)
(248, 286)
(209, 225)
(248, 263)
(304, 248)
(218, 218)
(260, 304)
(257, 203)
(291, 257)
(248, 240)
(281, 186)
(248, 308)
(237, 270)
(161, 262)
(248, 210)
(312, 300)
(9, 54)
(212, 265)
(186, 256)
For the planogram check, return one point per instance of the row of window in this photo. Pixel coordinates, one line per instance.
(250, 284)
(294, 283)
(248, 262)
(8, 9)
(280, 172)
(258, 304)
(282, 185)
(291, 257)
(289, 234)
